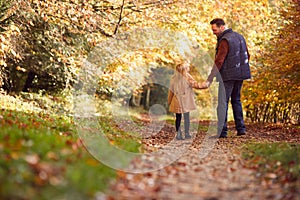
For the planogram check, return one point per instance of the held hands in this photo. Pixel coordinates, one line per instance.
(204, 85)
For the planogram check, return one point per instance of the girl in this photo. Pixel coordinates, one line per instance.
(181, 97)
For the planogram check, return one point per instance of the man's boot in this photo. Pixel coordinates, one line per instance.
(187, 135)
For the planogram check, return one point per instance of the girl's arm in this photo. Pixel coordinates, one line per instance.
(170, 96)
(195, 84)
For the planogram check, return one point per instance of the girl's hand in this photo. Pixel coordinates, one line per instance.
(207, 84)
(204, 85)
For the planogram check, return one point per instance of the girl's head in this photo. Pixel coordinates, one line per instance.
(183, 68)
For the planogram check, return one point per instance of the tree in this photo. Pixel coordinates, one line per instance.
(46, 41)
(274, 95)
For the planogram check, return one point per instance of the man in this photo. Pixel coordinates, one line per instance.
(232, 63)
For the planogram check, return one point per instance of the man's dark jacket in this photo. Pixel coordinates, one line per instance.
(236, 65)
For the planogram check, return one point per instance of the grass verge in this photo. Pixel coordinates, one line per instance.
(275, 163)
(42, 157)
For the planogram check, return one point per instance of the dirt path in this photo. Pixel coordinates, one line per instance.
(221, 175)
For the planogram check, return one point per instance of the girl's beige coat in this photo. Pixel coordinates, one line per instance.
(181, 94)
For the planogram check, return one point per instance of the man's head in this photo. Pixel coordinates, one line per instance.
(217, 26)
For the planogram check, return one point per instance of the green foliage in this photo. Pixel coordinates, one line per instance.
(45, 52)
(41, 157)
(4, 6)
(283, 159)
(37, 102)
(128, 141)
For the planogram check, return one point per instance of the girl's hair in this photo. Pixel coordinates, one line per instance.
(182, 67)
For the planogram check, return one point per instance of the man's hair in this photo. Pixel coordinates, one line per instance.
(218, 21)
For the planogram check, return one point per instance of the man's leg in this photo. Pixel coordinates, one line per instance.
(237, 107)
(186, 117)
(225, 89)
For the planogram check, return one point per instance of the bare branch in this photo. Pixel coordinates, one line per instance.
(120, 17)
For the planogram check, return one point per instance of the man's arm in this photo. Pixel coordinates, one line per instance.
(219, 60)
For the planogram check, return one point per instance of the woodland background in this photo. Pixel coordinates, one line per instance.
(43, 48)
(44, 43)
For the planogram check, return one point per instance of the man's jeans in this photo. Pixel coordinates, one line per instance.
(230, 90)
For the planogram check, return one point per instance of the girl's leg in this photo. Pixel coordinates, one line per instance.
(177, 126)
(178, 121)
(186, 117)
